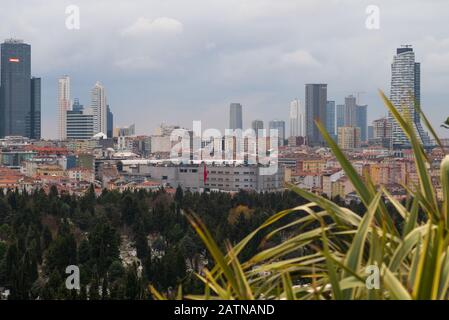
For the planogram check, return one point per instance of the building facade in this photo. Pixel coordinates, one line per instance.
(330, 117)
(64, 105)
(99, 108)
(297, 119)
(349, 137)
(19, 93)
(235, 116)
(316, 100)
(278, 125)
(362, 121)
(405, 90)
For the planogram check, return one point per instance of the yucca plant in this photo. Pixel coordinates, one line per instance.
(339, 249)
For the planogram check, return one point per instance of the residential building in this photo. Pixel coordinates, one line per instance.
(297, 119)
(349, 137)
(64, 105)
(405, 91)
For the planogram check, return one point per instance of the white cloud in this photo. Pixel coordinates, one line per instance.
(144, 26)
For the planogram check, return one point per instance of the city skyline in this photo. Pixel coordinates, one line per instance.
(221, 65)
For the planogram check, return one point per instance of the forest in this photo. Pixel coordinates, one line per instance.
(41, 234)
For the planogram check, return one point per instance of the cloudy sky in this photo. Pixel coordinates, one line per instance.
(183, 60)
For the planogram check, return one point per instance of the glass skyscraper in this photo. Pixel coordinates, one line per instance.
(362, 121)
(316, 101)
(340, 115)
(19, 94)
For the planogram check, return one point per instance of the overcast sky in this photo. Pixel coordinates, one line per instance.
(183, 60)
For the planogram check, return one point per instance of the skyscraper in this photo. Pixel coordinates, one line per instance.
(35, 113)
(340, 115)
(362, 121)
(235, 116)
(110, 130)
(64, 105)
(99, 108)
(330, 117)
(19, 94)
(350, 111)
(316, 100)
(79, 122)
(405, 89)
(278, 125)
(297, 119)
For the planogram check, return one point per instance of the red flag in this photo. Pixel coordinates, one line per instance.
(205, 173)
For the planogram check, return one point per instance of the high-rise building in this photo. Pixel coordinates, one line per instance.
(79, 124)
(330, 118)
(297, 119)
(64, 105)
(278, 125)
(316, 100)
(257, 125)
(405, 90)
(19, 94)
(35, 113)
(350, 111)
(340, 115)
(362, 121)
(110, 130)
(235, 116)
(349, 137)
(99, 108)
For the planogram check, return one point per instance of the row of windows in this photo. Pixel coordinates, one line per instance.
(188, 170)
(227, 172)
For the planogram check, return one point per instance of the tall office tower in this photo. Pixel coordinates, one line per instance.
(79, 124)
(110, 130)
(405, 89)
(63, 106)
(278, 125)
(35, 113)
(340, 115)
(316, 100)
(330, 117)
(362, 121)
(349, 137)
(297, 119)
(99, 108)
(350, 111)
(257, 125)
(16, 90)
(235, 116)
